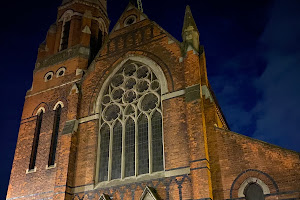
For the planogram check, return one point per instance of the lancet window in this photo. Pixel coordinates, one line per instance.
(54, 137)
(131, 139)
(65, 35)
(36, 139)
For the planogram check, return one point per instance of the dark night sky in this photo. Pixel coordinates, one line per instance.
(253, 61)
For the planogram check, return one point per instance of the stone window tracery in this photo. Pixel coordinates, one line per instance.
(131, 141)
(130, 20)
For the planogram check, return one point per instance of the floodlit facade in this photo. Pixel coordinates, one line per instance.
(130, 114)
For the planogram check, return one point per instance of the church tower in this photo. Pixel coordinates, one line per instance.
(129, 114)
(46, 147)
(81, 28)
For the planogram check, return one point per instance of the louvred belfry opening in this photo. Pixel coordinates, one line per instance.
(65, 36)
(81, 24)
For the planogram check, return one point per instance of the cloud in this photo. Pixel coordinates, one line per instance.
(238, 96)
(277, 112)
(259, 86)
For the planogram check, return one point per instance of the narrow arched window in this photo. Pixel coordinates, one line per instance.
(96, 40)
(130, 148)
(104, 152)
(100, 40)
(116, 151)
(54, 137)
(36, 140)
(131, 107)
(143, 146)
(157, 144)
(65, 35)
(254, 192)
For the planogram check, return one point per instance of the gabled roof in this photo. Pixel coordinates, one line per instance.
(104, 197)
(149, 194)
(130, 7)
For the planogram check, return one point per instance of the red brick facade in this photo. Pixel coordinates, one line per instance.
(203, 159)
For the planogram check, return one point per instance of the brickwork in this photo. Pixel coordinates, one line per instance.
(236, 155)
(202, 158)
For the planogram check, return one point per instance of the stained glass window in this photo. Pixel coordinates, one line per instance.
(157, 145)
(116, 151)
(104, 152)
(130, 148)
(143, 145)
(131, 105)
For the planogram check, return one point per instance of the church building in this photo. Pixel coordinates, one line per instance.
(129, 114)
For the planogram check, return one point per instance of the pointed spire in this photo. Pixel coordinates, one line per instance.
(189, 20)
(190, 33)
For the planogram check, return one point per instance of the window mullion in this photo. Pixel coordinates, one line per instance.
(136, 147)
(150, 143)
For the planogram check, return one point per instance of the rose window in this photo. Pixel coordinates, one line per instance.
(131, 140)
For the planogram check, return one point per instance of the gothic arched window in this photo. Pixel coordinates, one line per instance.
(36, 139)
(66, 25)
(54, 137)
(254, 192)
(131, 141)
